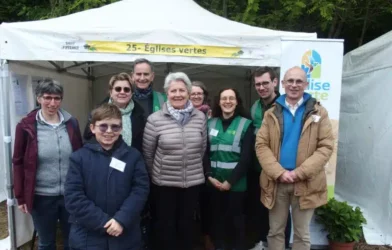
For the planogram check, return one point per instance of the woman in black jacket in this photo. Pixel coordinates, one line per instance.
(120, 94)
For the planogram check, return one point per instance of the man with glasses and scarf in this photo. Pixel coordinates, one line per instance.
(143, 76)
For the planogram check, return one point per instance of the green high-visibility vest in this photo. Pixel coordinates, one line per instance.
(158, 99)
(225, 149)
(257, 115)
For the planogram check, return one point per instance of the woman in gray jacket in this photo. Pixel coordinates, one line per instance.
(174, 144)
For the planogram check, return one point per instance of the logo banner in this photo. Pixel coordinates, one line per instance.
(159, 49)
(322, 62)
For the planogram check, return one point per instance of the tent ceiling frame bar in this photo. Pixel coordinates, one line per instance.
(58, 68)
(87, 65)
(76, 65)
(82, 69)
(191, 67)
(45, 68)
(217, 72)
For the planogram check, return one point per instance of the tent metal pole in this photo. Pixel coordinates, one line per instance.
(5, 90)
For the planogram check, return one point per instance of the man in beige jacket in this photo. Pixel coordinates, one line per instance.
(293, 145)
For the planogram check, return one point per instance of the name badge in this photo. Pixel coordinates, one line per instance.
(117, 164)
(214, 132)
(316, 118)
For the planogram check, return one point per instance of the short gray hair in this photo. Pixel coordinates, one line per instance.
(49, 87)
(142, 60)
(177, 76)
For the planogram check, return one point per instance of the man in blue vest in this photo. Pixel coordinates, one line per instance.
(265, 81)
(143, 76)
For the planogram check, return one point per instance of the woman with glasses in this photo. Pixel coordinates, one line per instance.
(174, 145)
(44, 141)
(232, 143)
(106, 188)
(199, 97)
(120, 94)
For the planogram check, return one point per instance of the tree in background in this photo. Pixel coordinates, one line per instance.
(356, 21)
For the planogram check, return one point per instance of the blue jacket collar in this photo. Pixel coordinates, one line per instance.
(282, 99)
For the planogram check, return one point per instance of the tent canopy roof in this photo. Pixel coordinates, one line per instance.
(370, 57)
(177, 22)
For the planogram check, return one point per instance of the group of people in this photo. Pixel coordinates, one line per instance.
(148, 162)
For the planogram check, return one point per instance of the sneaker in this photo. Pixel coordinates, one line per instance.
(259, 246)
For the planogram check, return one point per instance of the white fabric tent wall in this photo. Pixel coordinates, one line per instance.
(3, 179)
(364, 172)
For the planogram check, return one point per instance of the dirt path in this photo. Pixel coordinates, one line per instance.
(4, 233)
(3, 220)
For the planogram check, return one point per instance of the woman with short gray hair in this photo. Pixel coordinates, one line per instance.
(174, 144)
(44, 141)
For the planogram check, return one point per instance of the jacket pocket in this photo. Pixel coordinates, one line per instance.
(317, 183)
(77, 236)
(266, 184)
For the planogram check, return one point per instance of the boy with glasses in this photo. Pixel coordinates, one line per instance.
(106, 187)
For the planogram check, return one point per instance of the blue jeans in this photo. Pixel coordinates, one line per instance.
(47, 211)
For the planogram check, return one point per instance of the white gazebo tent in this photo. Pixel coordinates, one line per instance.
(364, 175)
(62, 48)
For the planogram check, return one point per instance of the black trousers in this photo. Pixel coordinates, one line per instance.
(205, 213)
(228, 228)
(257, 213)
(174, 210)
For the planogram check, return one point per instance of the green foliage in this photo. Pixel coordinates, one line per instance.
(342, 222)
(23, 10)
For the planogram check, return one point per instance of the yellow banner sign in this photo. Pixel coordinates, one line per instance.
(162, 49)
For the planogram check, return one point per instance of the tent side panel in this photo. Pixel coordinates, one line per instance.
(76, 90)
(364, 170)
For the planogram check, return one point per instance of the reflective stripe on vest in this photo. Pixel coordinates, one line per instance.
(235, 147)
(253, 109)
(160, 99)
(224, 165)
(253, 114)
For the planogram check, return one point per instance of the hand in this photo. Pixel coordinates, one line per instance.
(293, 176)
(286, 177)
(113, 228)
(23, 208)
(217, 184)
(225, 186)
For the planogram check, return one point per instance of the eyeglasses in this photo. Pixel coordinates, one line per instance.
(230, 98)
(126, 89)
(291, 82)
(50, 98)
(113, 127)
(264, 84)
(197, 94)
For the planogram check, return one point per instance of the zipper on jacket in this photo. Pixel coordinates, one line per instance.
(107, 190)
(183, 157)
(59, 152)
